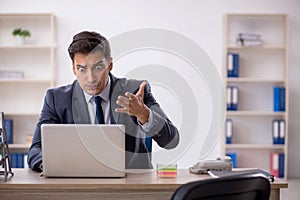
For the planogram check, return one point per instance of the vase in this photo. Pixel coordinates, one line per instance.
(20, 40)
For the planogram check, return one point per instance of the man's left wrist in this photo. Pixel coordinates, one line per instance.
(144, 117)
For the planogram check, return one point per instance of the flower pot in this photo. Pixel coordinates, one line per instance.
(20, 40)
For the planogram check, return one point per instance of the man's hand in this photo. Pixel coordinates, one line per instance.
(134, 104)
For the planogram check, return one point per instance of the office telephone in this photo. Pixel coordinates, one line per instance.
(222, 163)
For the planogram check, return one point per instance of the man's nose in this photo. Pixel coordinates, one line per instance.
(91, 76)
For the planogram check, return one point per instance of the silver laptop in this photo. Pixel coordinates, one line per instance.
(83, 150)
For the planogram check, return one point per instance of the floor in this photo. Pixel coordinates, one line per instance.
(293, 190)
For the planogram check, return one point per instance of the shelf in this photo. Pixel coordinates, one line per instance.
(18, 146)
(27, 46)
(253, 80)
(35, 60)
(255, 146)
(259, 70)
(256, 48)
(22, 114)
(255, 113)
(25, 81)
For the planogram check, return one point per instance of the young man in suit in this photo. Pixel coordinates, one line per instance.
(123, 101)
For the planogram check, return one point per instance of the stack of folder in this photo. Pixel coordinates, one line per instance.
(168, 171)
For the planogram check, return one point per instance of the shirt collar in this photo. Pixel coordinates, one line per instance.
(104, 94)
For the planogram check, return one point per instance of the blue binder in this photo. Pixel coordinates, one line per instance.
(232, 97)
(234, 103)
(279, 98)
(275, 131)
(232, 64)
(281, 131)
(281, 165)
(229, 131)
(233, 159)
(9, 130)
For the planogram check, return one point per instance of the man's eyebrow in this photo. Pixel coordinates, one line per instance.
(81, 65)
(99, 62)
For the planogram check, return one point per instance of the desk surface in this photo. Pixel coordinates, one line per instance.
(30, 179)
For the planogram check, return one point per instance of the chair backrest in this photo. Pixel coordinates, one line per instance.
(233, 188)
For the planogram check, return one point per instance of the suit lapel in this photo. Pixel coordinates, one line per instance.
(79, 106)
(115, 91)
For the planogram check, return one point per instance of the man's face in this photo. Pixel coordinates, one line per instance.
(92, 71)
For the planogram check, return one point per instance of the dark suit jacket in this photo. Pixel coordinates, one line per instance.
(67, 105)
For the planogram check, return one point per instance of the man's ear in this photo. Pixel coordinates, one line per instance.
(111, 64)
(73, 67)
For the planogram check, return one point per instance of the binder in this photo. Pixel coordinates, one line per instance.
(281, 131)
(228, 131)
(274, 165)
(235, 92)
(228, 97)
(233, 159)
(279, 99)
(275, 131)
(232, 64)
(281, 165)
(9, 130)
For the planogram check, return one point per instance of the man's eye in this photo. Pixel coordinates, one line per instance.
(99, 67)
(81, 69)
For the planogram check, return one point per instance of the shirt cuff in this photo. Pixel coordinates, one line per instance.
(149, 124)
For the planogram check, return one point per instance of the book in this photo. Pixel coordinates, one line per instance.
(232, 64)
(241, 173)
(249, 40)
(10, 74)
(248, 36)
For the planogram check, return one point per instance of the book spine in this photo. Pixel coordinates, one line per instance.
(229, 131)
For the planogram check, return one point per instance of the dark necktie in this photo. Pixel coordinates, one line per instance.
(99, 111)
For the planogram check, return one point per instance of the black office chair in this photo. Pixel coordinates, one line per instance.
(227, 188)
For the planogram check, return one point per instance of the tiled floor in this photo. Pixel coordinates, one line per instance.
(293, 190)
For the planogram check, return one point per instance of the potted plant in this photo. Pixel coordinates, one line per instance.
(20, 35)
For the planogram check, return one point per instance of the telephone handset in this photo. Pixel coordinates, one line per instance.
(222, 163)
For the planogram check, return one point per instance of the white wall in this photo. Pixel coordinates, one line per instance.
(200, 20)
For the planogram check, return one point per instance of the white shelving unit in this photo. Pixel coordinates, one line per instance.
(21, 98)
(260, 69)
